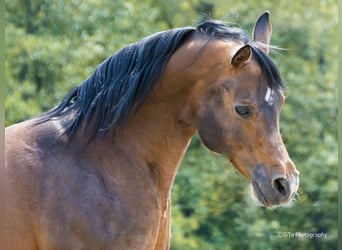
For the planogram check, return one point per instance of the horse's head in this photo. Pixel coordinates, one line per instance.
(236, 106)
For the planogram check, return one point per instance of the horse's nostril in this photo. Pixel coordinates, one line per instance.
(281, 185)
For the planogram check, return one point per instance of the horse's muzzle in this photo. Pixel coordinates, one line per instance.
(275, 190)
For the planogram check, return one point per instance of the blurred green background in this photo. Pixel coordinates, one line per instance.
(54, 45)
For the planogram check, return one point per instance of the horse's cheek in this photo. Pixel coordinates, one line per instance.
(212, 130)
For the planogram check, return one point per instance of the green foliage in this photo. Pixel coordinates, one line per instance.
(53, 45)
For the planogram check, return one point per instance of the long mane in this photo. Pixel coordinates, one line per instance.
(120, 84)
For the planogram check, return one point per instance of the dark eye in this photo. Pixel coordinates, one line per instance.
(243, 111)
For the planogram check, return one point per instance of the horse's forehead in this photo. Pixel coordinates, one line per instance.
(252, 86)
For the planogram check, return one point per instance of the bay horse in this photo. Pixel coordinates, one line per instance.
(96, 171)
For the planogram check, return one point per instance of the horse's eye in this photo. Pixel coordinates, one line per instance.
(243, 111)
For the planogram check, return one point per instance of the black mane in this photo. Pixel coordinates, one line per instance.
(120, 84)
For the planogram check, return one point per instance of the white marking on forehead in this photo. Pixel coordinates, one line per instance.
(268, 95)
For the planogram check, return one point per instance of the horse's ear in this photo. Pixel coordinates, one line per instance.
(241, 56)
(262, 31)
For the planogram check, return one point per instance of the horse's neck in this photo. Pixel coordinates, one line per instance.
(154, 137)
(159, 138)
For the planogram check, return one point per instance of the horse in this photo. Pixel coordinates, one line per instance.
(96, 171)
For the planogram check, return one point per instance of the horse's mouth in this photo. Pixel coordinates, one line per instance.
(260, 196)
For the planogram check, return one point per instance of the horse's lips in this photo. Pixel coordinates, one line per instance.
(260, 195)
